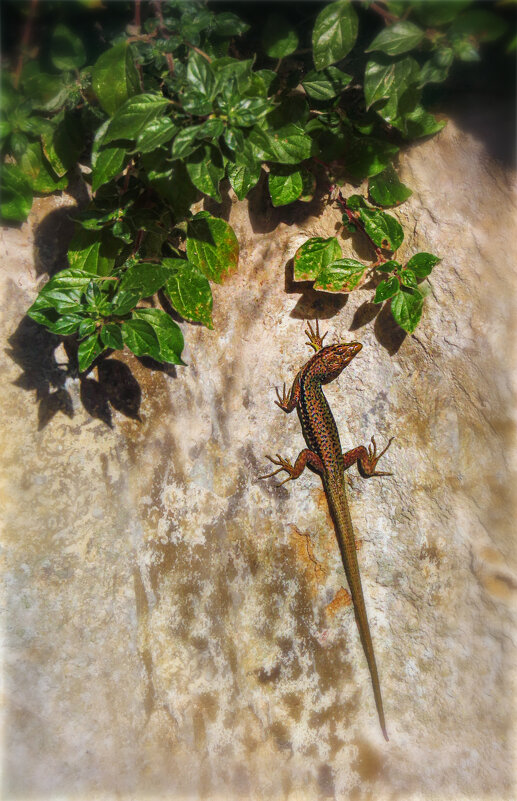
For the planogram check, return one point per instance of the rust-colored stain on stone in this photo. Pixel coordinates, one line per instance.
(340, 600)
(304, 549)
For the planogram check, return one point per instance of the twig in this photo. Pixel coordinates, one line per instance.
(358, 223)
(201, 52)
(387, 15)
(25, 41)
(137, 21)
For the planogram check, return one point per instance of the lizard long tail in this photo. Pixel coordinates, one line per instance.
(335, 489)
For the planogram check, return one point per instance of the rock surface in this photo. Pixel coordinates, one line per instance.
(175, 628)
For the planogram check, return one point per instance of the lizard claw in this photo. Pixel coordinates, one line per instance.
(374, 457)
(315, 340)
(285, 464)
(283, 399)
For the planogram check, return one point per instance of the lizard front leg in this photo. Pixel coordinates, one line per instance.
(288, 401)
(305, 458)
(366, 459)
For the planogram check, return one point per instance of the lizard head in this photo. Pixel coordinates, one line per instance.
(332, 359)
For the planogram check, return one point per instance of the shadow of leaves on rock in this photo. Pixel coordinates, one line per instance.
(33, 349)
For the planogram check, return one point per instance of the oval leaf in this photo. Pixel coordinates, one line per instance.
(115, 77)
(313, 256)
(279, 38)
(212, 246)
(285, 185)
(398, 38)
(134, 115)
(342, 275)
(406, 308)
(386, 289)
(66, 49)
(140, 338)
(334, 35)
(422, 263)
(88, 350)
(189, 291)
(167, 332)
(386, 190)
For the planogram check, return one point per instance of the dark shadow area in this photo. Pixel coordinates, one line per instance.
(53, 234)
(388, 333)
(264, 217)
(223, 208)
(32, 348)
(364, 314)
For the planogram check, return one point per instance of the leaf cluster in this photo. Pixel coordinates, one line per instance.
(170, 109)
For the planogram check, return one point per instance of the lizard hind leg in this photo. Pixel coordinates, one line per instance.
(305, 458)
(315, 340)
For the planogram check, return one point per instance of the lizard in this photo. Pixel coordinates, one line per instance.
(325, 457)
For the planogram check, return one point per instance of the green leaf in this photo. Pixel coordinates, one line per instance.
(167, 332)
(93, 252)
(285, 184)
(327, 84)
(156, 132)
(385, 78)
(140, 338)
(422, 263)
(88, 350)
(287, 145)
(47, 92)
(63, 145)
(335, 32)
(200, 75)
(366, 156)
(279, 39)
(342, 275)
(419, 123)
(408, 278)
(389, 266)
(38, 171)
(480, 23)
(108, 163)
(313, 256)
(225, 23)
(206, 169)
(243, 177)
(386, 190)
(189, 291)
(387, 289)
(226, 69)
(111, 336)
(146, 277)
(115, 77)
(16, 197)
(383, 229)
(406, 308)
(437, 68)
(185, 142)
(66, 49)
(397, 38)
(439, 12)
(134, 115)
(125, 301)
(212, 246)
(86, 326)
(68, 324)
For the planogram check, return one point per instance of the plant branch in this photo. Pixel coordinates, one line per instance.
(26, 35)
(358, 224)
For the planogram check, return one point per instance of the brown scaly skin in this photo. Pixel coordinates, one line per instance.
(325, 457)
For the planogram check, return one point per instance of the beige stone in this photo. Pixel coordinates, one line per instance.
(175, 628)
